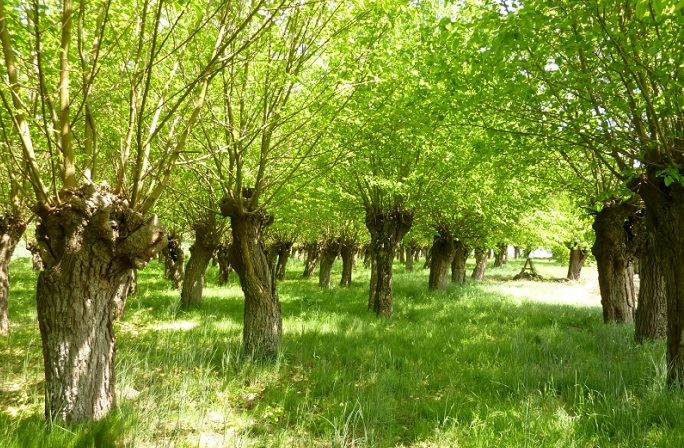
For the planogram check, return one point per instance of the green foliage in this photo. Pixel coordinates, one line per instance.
(602, 76)
(671, 175)
(557, 224)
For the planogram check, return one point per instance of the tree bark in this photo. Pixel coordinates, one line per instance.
(443, 248)
(284, 252)
(367, 256)
(313, 253)
(650, 319)
(480, 264)
(612, 252)
(501, 255)
(387, 228)
(577, 257)
(348, 250)
(126, 289)
(410, 262)
(88, 244)
(272, 256)
(458, 263)
(411, 251)
(263, 325)
(331, 248)
(428, 258)
(12, 227)
(207, 239)
(36, 262)
(223, 261)
(665, 221)
(174, 261)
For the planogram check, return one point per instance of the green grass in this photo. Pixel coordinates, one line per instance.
(473, 366)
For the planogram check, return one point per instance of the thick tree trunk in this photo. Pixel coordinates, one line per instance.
(458, 262)
(443, 248)
(126, 289)
(193, 280)
(284, 252)
(331, 248)
(36, 261)
(428, 258)
(387, 228)
(367, 256)
(263, 326)
(410, 263)
(412, 250)
(348, 250)
(650, 319)
(207, 239)
(174, 261)
(313, 253)
(577, 257)
(12, 227)
(517, 252)
(501, 255)
(88, 244)
(480, 264)
(223, 261)
(665, 221)
(612, 253)
(272, 257)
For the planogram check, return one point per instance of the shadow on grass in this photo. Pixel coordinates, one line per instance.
(33, 432)
(459, 367)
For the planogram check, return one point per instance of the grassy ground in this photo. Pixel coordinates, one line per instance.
(493, 364)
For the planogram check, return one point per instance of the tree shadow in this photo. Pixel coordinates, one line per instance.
(34, 432)
(428, 365)
(446, 362)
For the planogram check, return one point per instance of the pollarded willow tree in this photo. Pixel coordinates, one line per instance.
(98, 135)
(388, 129)
(330, 222)
(483, 190)
(606, 76)
(266, 118)
(193, 197)
(512, 92)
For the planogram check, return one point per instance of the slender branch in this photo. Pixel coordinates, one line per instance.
(18, 111)
(68, 162)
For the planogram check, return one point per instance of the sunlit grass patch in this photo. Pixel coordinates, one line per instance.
(490, 364)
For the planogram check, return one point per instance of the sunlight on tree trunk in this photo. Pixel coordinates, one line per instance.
(386, 229)
(665, 210)
(263, 325)
(458, 263)
(201, 252)
(480, 264)
(576, 262)
(313, 253)
(443, 249)
(650, 319)
(88, 244)
(611, 250)
(329, 253)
